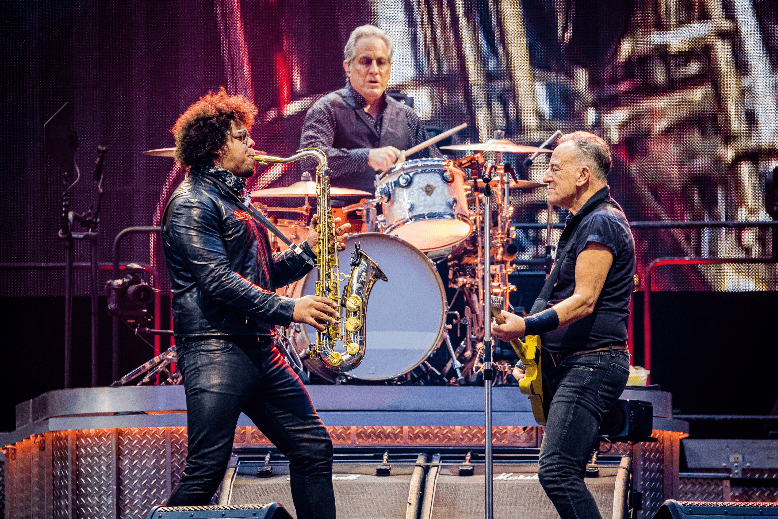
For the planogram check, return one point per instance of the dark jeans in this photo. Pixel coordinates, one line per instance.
(584, 388)
(223, 379)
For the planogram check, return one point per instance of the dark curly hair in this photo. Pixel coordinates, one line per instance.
(201, 131)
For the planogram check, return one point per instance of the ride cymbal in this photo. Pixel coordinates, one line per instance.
(498, 145)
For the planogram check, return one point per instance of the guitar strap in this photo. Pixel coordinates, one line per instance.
(541, 302)
(263, 220)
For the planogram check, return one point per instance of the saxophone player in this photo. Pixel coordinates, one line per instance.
(224, 309)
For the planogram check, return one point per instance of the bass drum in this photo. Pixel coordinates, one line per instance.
(406, 315)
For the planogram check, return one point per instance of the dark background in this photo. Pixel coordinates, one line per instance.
(128, 69)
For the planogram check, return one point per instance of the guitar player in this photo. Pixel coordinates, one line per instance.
(583, 323)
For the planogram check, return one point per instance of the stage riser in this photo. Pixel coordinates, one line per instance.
(758, 488)
(124, 472)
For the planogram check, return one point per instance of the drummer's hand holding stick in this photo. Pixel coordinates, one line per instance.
(382, 159)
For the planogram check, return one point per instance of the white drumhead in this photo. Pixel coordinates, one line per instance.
(405, 315)
(429, 235)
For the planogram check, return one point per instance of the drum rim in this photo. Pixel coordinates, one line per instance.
(433, 164)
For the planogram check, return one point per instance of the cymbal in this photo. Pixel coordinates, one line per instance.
(161, 152)
(514, 184)
(305, 188)
(499, 145)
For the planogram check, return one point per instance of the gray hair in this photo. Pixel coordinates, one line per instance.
(592, 149)
(366, 31)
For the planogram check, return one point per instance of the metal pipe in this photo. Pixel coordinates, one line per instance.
(115, 321)
(93, 297)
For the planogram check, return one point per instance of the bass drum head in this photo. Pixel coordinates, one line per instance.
(405, 315)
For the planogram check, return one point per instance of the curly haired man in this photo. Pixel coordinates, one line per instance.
(223, 276)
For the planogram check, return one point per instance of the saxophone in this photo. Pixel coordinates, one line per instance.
(350, 330)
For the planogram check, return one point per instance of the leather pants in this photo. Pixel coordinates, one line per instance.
(223, 378)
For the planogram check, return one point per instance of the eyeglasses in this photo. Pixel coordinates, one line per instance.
(242, 135)
(366, 62)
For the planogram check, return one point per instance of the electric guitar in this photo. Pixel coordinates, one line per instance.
(529, 353)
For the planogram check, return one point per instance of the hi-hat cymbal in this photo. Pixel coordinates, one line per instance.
(499, 145)
(161, 152)
(305, 188)
(514, 184)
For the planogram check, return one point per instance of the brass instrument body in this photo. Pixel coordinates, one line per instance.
(365, 272)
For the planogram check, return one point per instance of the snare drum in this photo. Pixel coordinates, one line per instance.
(406, 315)
(423, 202)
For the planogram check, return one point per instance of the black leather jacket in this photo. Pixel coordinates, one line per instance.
(221, 267)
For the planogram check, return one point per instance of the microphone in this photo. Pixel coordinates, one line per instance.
(99, 162)
(554, 136)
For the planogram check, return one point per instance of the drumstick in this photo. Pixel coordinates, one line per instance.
(433, 140)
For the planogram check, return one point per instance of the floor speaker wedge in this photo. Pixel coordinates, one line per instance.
(268, 511)
(672, 509)
(453, 493)
(366, 486)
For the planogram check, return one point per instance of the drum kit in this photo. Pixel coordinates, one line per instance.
(424, 224)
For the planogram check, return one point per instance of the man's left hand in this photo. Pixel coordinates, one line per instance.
(512, 327)
(341, 234)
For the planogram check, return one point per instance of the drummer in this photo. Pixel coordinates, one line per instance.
(360, 128)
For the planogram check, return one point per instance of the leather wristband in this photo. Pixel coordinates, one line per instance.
(542, 322)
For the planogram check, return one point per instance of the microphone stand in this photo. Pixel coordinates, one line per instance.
(488, 370)
(90, 220)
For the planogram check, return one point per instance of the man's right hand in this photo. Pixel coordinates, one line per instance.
(315, 311)
(382, 159)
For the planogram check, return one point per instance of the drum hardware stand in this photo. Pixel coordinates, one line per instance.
(549, 208)
(158, 365)
(454, 361)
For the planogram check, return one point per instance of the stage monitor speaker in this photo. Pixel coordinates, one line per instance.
(365, 485)
(672, 509)
(450, 493)
(269, 511)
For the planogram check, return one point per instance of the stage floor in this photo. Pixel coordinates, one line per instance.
(117, 452)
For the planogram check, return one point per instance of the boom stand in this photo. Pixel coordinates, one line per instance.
(488, 370)
(61, 142)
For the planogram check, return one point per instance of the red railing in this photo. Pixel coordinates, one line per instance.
(647, 291)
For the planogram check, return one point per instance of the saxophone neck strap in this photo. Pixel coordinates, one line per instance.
(264, 221)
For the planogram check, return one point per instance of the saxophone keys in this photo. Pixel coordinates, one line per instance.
(352, 348)
(353, 324)
(354, 303)
(335, 358)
